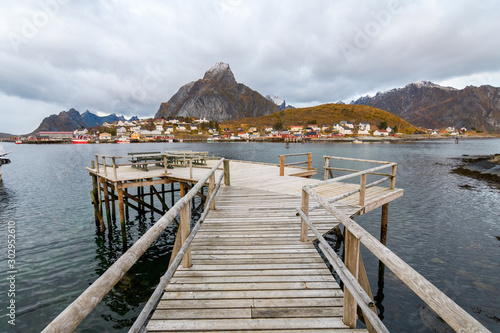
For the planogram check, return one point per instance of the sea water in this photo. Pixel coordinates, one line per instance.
(446, 226)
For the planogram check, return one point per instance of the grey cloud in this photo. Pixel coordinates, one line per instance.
(128, 57)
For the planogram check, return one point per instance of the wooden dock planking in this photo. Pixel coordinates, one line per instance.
(251, 272)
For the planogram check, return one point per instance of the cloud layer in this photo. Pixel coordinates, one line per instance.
(127, 56)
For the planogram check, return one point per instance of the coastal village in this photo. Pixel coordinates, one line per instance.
(192, 129)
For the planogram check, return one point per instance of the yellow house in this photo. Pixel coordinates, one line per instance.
(135, 136)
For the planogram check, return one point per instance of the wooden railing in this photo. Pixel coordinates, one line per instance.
(363, 186)
(283, 165)
(353, 275)
(73, 315)
(166, 160)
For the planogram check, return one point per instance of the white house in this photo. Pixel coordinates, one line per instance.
(345, 130)
(381, 132)
(193, 127)
(337, 127)
(347, 124)
(159, 128)
(363, 132)
(170, 129)
(201, 121)
(80, 132)
(364, 126)
(181, 127)
(135, 129)
(268, 129)
(121, 130)
(389, 129)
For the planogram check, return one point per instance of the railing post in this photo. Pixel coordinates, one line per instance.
(282, 165)
(165, 164)
(362, 190)
(184, 228)
(211, 186)
(305, 208)
(327, 165)
(97, 163)
(352, 263)
(227, 176)
(393, 177)
(190, 168)
(309, 161)
(104, 165)
(114, 168)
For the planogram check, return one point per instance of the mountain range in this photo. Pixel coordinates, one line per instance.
(430, 105)
(72, 120)
(216, 97)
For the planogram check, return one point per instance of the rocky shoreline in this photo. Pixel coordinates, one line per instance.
(482, 167)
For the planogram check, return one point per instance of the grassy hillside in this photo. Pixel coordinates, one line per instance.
(325, 114)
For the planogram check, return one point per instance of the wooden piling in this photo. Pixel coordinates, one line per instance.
(122, 211)
(106, 203)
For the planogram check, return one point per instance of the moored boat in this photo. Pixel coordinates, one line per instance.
(123, 139)
(18, 141)
(83, 139)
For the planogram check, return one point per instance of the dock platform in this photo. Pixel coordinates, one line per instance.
(252, 261)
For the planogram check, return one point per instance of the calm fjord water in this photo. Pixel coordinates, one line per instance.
(446, 226)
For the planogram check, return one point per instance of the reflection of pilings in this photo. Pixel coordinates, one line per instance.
(109, 193)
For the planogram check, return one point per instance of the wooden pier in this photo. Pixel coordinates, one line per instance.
(251, 263)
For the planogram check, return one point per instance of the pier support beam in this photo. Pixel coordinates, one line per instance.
(119, 192)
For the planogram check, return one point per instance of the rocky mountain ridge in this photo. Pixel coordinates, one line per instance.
(280, 102)
(430, 105)
(217, 97)
(72, 120)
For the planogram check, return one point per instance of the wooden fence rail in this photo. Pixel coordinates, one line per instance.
(446, 308)
(73, 315)
(140, 322)
(283, 165)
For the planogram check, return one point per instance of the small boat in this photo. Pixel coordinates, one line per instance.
(83, 139)
(123, 139)
(357, 141)
(3, 160)
(18, 141)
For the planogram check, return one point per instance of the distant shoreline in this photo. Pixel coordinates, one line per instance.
(363, 139)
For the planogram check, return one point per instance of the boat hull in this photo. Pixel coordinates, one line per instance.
(79, 142)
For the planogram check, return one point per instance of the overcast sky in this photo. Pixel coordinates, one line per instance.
(129, 56)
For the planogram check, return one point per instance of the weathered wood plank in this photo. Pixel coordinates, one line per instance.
(245, 303)
(229, 324)
(305, 293)
(252, 286)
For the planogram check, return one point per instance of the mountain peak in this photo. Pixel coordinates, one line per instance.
(429, 84)
(216, 97)
(220, 72)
